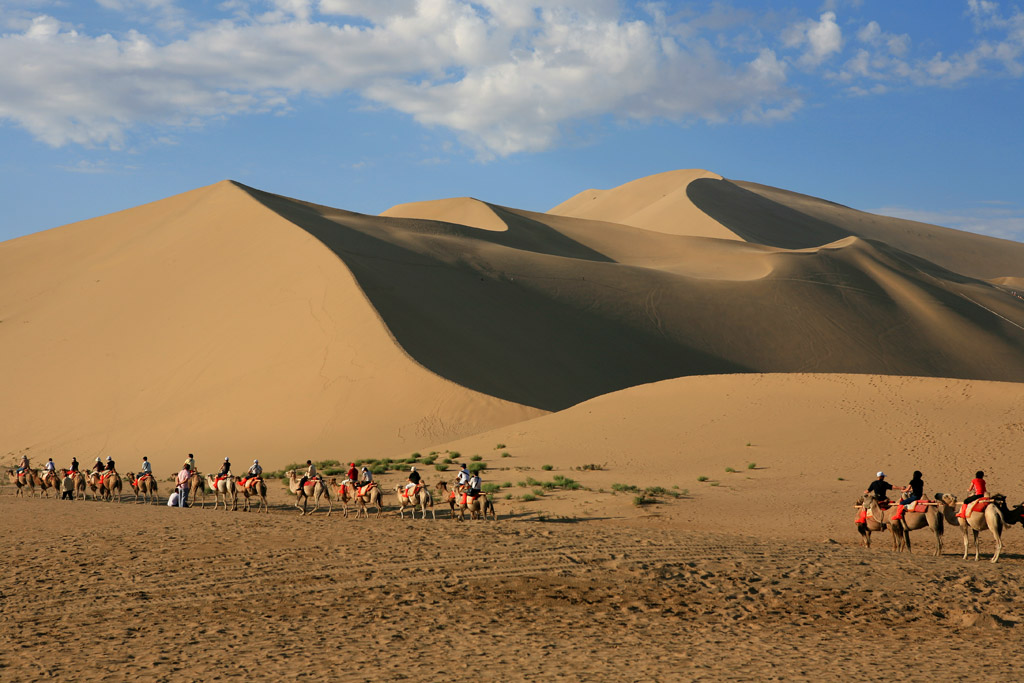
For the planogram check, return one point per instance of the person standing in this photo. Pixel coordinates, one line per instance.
(183, 484)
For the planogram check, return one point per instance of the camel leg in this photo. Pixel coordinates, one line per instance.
(977, 550)
(964, 532)
(997, 534)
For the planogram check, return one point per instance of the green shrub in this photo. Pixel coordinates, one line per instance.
(528, 497)
(499, 446)
(506, 455)
(566, 483)
(641, 500)
(440, 467)
(491, 488)
(702, 478)
(729, 469)
(591, 466)
(547, 468)
(751, 465)
(429, 460)
(477, 467)
(624, 488)
(477, 458)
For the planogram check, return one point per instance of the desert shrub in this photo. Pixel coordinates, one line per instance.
(729, 469)
(751, 465)
(477, 458)
(491, 488)
(590, 466)
(702, 478)
(566, 483)
(454, 455)
(624, 488)
(506, 455)
(477, 467)
(547, 468)
(499, 446)
(440, 467)
(528, 497)
(641, 500)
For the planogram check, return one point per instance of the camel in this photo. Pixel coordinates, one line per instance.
(478, 507)
(107, 483)
(28, 480)
(348, 490)
(912, 521)
(225, 487)
(254, 487)
(877, 520)
(196, 489)
(422, 498)
(995, 518)
(146, 487)
(47, 480)
(316, 488)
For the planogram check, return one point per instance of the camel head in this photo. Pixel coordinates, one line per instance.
(947, 499)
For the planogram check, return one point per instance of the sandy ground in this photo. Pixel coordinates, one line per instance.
(99, 591)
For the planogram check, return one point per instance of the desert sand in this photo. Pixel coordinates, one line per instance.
(754, 354)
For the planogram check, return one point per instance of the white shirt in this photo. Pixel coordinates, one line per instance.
(255, 471)
(50, 467)
(147, 468)
(463, 476)
(311, 471)
(474, 483)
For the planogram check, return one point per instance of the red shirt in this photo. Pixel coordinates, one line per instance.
(978, 486)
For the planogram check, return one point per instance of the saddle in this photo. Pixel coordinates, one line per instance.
(365, 489)
(967, 509)
(104, 476)
(141, 479)
(406, 493)
(917, 506)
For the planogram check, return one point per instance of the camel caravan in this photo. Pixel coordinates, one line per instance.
(358, 491)
(976, 513)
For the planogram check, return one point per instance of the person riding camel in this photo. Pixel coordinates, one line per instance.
(475, 484)
(252, 474)
(49, 466)
(23, 466)
(912, 492)
(110, 464)
(310, 475)
(74, 466)
(463, 477)
(365, 477)
(978, 488)
(353, 473)
(414, 481)
(97, 466)
(880, 488)
(147, 469)
(191, 462)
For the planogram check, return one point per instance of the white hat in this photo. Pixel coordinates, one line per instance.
(880, 474)
(255, 462)
(108, 458)
(225, 459)
(413, 468)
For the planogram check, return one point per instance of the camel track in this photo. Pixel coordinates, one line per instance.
(174, 595)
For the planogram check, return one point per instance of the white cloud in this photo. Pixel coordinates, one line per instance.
(819, 39)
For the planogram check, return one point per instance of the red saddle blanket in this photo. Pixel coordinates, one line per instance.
(364, 489)
(407, 493)
(917, 506)
(141, 479)
(467, 499)
(975, 506)
(104, 477)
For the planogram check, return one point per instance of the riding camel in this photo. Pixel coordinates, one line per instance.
(349, 491)
(145, 487)
(106, 484)
(877, 520)
(421, 498)
(315, 487)
(478, 507)
(995, 517)
(254, 487)
(931, 518)
(224, 487)
(26, 480)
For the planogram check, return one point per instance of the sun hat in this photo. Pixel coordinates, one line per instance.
(880, 474)
(413, 468)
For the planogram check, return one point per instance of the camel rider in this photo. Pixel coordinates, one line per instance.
(146, 468)
(191, 462)
(880, 488)
(225, 469)
(97, 466)
(110, 464)
(475, 484)
(978, 488)
(310, 474)
(462, 479)
(414, 480)
(353, 473)
(255, 471)
(911, 492)
(23, 465)
(50, 467)
(74, 466)
(366, 477)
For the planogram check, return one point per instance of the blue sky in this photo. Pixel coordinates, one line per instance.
(913, 109)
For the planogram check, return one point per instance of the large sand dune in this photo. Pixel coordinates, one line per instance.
(217, 321)
(207, 323)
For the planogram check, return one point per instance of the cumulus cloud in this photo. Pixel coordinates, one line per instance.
(506, 75)
(819, 39)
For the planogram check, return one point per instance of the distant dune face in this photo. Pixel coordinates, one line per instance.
(218, 320)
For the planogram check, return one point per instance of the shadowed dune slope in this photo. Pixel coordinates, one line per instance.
(207, 323)
(554, 310)
(774, 217)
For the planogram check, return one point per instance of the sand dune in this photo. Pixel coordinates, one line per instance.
(213, 322)
(207, 323)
